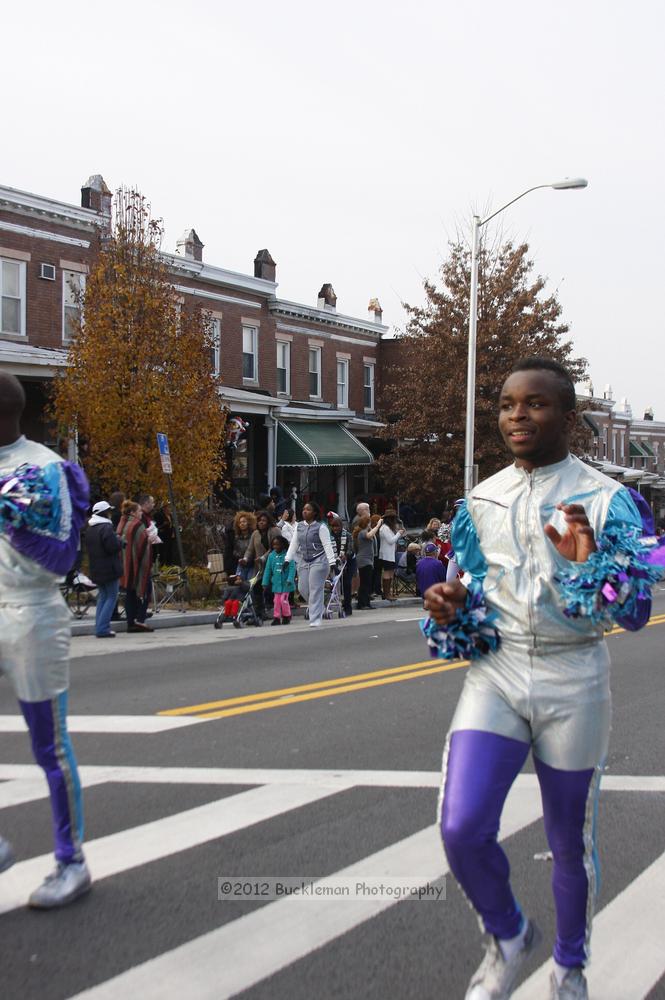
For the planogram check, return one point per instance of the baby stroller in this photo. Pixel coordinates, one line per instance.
(333, 596)
(244, 611)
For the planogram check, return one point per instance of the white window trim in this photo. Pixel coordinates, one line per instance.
(369, 364)
(22, 334)
(319, 352)
(286, 344)
(342, 404)
(81, 274)
(255, 343)
(216, 324)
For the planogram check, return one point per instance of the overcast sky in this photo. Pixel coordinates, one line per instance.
(353, 139)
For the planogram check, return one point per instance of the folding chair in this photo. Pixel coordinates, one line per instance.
(169, 587)
(404, 582)
(216, 569)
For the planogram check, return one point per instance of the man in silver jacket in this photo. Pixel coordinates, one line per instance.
(546, 688)
(35, 627)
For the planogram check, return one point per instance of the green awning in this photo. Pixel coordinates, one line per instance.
(636, 450)
(308, 443)
(648, 449)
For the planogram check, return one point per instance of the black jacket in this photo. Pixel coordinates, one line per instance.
(104, 549)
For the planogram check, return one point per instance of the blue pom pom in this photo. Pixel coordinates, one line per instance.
(26, 500)
(613, 579)
(471, 634)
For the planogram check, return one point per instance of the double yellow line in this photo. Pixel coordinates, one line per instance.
(317, 689)
(281, 697)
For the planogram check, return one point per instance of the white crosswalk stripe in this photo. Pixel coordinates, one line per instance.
(140, 845)
(632, 924)
(277, 934)
(267, 940)
(108, 723)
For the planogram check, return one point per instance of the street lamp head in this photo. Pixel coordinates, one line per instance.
(570, 182)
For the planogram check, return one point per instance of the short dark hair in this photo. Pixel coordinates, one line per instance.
(566, 385)
(315, 507)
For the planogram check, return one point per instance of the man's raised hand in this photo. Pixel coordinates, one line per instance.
(579, 541)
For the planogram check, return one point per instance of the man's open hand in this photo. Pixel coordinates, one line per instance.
(443, 600)
(579, 541)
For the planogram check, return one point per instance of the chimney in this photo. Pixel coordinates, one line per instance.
(189, 245)
(327, 298)
(375, 310)
(96, 196)
(624, 408)
(264, 266)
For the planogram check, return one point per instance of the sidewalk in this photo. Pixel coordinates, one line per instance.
(177, 619)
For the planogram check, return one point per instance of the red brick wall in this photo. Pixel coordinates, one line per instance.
(300, 345)
(231, 334)
(43, 297)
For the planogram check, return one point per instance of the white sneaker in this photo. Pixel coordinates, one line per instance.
(572, 987)
(315, 624)
(65, 884)
(7, 858)
(495, 977)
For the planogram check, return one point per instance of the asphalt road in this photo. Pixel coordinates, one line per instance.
(303, 753)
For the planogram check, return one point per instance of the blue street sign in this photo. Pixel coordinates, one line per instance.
(164, 453)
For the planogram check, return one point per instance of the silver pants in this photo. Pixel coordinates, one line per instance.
(312, 577)
(34, 645)
(558, 701)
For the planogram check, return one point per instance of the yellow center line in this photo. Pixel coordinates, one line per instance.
(330, 692)
(261, 700)
(313, 686)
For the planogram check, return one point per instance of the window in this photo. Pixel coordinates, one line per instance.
(342, 384)
(12, 292)
(215, 335)
(250, 366)
(368, 387)
(283, 366)
(315, 371)
(73, 287)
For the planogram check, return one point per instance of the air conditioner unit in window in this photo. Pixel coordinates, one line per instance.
(47, 271)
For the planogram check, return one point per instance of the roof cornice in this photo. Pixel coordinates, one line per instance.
(326, 317)
(34, 206)
(196, 269)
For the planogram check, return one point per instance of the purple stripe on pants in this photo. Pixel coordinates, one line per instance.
(52, 750)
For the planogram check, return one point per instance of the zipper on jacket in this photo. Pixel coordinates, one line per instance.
(530, 560)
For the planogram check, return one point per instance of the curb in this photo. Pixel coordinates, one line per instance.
(186, 618)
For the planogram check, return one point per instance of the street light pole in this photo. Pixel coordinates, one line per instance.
(478, 223)
(471, 360)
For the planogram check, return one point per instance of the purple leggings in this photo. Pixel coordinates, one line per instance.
(481, 767)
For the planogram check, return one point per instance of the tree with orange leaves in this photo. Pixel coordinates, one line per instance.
(423, 396)
(139, 364)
